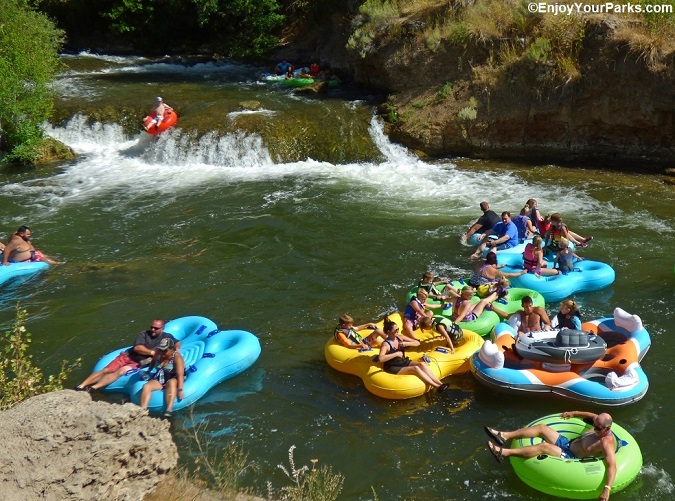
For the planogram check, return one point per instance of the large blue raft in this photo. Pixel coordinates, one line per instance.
(16, 270)
(211, 356)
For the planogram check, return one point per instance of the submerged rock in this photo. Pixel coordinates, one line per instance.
(63, 445)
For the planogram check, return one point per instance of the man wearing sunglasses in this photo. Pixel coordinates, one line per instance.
(138, 355)
(594, 443)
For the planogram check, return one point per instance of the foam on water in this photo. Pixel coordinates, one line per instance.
(399, 182)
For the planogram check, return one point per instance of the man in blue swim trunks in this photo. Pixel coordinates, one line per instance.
(507, 236)
(596, 443)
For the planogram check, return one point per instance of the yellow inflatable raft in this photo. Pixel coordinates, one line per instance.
(395, 386)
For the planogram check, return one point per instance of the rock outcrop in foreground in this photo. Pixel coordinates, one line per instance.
(63, 445)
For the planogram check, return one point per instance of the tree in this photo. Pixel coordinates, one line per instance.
(29, 46)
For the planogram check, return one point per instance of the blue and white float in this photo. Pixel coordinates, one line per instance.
(211, 356)
(25, 269)
(614, 379)
(587, 276)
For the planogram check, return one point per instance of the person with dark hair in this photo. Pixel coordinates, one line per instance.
(484, 223)
(596, 443)
(19, 249)
(528, 319)
(169, 377)
(392, 356)
(140, 354)
(507, 236)
(451, 332)
(488, 272)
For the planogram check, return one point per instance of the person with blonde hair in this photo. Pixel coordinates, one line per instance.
(415, 310)
(429, 284)
(569, 316)
(464, 311)
(533, 259)
(522, 221)
(565, 257)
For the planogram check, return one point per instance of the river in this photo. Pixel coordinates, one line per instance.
(280, 220)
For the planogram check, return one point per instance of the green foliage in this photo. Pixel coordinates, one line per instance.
(29, 45)
(467, 115)
(222, 469)
(375, 16)
(231, 27)
(445, 92)
(19, 377)
(657, 22)
(538, 51)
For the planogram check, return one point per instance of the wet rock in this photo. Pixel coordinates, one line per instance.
(64, 446)
(250, 105)
(315, 88)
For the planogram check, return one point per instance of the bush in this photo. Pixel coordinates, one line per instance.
(19, 378)
(29, 45)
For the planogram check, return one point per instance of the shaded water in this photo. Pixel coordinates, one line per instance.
(223, 224)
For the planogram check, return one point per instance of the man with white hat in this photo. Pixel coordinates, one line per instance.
(160, 109)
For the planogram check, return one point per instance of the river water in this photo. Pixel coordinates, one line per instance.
(279, 221)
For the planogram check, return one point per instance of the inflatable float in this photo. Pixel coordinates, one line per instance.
(587, 276)
(211, 356)
(169, 120)
(487, 320)
(614, 379)
(583, 478)
(394, 386)
(15, 270)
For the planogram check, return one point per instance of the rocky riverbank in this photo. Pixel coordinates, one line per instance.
(63, 446)
(577, 91)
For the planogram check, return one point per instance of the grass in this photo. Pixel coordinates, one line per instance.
(221, 472)
(551, 44)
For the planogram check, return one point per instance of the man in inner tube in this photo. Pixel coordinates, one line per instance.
(596, 443)
(19, 249)
(160, 109)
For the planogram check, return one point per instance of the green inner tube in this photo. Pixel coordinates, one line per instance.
(576, 478)
(484, 324)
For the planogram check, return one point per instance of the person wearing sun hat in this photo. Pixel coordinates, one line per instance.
(170, 376)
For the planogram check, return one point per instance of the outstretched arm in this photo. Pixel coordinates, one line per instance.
(581, 414)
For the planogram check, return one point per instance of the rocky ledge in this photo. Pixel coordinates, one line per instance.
(64, 446)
